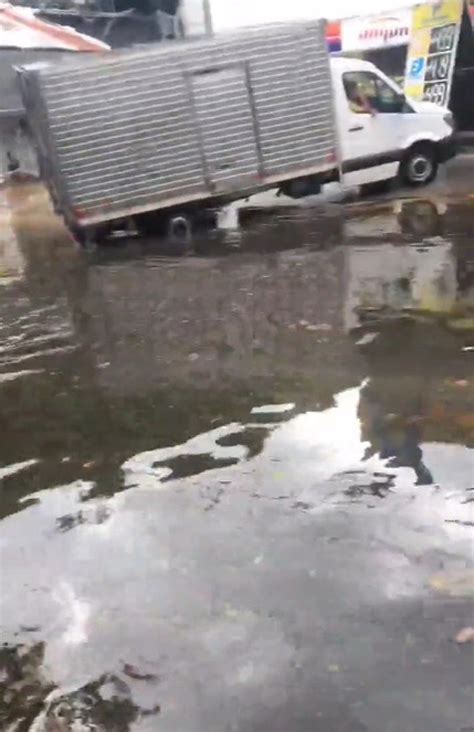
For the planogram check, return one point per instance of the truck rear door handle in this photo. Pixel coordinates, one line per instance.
(358, 128)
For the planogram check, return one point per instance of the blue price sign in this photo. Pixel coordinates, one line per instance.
(417, 69)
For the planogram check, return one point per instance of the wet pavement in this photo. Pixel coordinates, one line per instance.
(237, 488)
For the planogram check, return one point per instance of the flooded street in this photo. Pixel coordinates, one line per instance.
(237, 488)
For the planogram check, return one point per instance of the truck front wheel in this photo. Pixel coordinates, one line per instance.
(420, 165)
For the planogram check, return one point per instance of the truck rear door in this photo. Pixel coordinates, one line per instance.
(223, 105)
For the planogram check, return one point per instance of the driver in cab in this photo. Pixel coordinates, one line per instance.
(359, 102)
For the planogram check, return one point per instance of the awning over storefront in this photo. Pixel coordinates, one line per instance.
(20, 29)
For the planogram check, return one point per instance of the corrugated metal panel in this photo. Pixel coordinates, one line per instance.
(225, 119)
(189, 119)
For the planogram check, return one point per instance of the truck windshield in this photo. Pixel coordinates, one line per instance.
(368, 92)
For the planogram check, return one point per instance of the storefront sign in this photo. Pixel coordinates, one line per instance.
(376, 31)
(432, 50)
(333, 36)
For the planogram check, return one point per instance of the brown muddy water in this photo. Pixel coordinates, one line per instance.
(236, 488)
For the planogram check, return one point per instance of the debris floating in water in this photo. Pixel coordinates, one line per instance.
(273, 408)
(366, 339)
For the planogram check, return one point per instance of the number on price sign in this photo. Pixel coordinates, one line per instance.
(442, 39)
(436, 92)
(437, 67)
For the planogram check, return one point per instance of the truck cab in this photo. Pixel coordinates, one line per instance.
(383, 133)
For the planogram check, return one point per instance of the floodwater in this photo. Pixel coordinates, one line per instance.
(236, 489)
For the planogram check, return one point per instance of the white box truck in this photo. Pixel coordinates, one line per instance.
(158, 133)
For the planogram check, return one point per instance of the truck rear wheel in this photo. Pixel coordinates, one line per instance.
(179, 233)
(175, 229)
(420, 165)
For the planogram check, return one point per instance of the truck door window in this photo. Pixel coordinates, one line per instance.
(368, 93)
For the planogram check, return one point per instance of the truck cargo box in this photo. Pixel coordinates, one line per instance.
(183, 123)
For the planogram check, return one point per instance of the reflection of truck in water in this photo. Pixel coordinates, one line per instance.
(218, 323)
(431, 279)
(152, 135)
(170, 347)
(390, 280)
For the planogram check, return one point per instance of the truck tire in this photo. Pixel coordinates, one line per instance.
(179, 233)
(420, 165)
(175, 229)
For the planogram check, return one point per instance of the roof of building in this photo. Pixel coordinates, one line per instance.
(20, 28)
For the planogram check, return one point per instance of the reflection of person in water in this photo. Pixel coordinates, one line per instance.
(399, 444)
(404, 453)
(395, 437)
